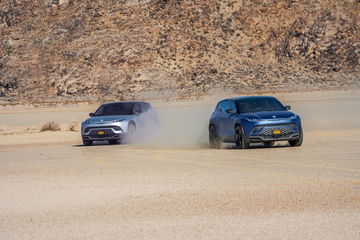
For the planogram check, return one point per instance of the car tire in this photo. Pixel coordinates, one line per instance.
(87, 142)
(269, 143)
(130, 135)
(240, 140)
(297, 142)
(213, 138)
(115, 141)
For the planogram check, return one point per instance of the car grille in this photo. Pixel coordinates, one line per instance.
(267, 133)
(116, 128)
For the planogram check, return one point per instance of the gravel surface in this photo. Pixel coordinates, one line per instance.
(177, 188)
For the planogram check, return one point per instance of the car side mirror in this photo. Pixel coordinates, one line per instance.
(91, 114)
(230, 111)
(287, 107)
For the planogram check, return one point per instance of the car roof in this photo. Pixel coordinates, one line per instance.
(246, 98)
(130, 102)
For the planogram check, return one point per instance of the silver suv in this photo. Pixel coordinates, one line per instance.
(118, 122)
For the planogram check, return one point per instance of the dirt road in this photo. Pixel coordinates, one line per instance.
(177, 188)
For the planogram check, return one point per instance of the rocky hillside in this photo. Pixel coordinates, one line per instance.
(53, 50)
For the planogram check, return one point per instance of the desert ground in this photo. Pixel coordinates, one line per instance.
(175, 187)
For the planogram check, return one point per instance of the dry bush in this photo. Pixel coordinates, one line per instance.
(50, 126)
(74, 126)
(31, 130)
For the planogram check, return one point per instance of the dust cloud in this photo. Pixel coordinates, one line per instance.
(147, 129)
(185, 124)
(182, 125)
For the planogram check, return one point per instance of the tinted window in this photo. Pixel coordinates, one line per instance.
(217, 108)
(145, 107)
(232, 106)
(222, 107)
(115, 109)
(136, 109)
(259, 105)
(226, 105)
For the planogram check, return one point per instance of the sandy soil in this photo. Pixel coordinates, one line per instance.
(175, 187)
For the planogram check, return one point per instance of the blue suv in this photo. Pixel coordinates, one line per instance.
(254, 119)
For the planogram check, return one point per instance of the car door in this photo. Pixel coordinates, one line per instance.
(228, 120)
(139, 118)
(218, 118)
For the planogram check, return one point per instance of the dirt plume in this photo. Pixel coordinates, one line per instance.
(183, 125)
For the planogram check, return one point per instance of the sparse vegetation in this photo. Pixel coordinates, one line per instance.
(74, 126)
(50, 126)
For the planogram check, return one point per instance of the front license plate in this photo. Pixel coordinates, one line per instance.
(276, 132)
(100, 133)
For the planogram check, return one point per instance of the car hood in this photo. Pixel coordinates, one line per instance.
(268, 115)
(107, 119)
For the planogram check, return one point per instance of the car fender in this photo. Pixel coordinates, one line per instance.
(132, 121)
(125, 125)
(245, 128)
(212, 122)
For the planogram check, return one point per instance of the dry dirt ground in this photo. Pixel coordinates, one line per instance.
(175, 187)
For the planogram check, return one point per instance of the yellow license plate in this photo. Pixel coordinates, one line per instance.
(100, 133)
(276, 132)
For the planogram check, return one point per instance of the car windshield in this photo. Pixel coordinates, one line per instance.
(261, 104)
(115, 109)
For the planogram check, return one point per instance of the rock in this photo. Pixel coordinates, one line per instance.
(64, 2)
(62, 49)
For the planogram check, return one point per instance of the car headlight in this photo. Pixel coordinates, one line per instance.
(294, 117)
(252, 119)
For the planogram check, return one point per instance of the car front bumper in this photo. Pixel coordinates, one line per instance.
(283, 132)
(273, 130)
(98, 132)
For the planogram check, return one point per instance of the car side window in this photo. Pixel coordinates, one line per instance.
(226, 106)
(232, 106)
(217, 108)
(144, 107)
(222, 106)
(136, 109)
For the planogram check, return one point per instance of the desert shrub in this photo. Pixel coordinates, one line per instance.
(74, 126)
(50, 126)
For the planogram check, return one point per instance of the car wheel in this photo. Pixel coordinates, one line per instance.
(115, 141)
(240, 139)
(297, 142)
(130, 133)
(213, 138)
(269, 144)
(87, 142)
